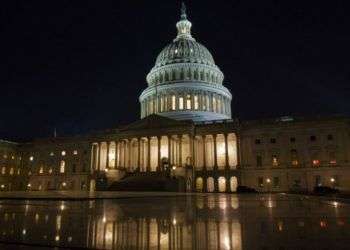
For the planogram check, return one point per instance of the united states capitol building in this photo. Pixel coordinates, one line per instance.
(186, 140)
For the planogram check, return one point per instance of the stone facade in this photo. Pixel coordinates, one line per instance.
(268, 155)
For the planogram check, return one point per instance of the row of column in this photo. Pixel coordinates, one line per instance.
(201, 101)
(144, 154)
(153, 152)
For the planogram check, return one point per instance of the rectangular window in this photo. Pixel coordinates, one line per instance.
(188, 102)
(330, 137)
(257, 141)
(312, 138)
(196, 104)
(204, 103)
(208, 103)
(294, 157)
(173, 102)
(276, 182)
(181, 103)
(274, 160)
(273, 140)
(260, 181)
(258, 160)
(161, 103)
(292, 139)
(214, 104)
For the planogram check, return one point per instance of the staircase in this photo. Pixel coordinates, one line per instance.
(147, 181)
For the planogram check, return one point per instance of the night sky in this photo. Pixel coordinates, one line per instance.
(80, 66)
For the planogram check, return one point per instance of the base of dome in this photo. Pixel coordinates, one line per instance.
(196, 116)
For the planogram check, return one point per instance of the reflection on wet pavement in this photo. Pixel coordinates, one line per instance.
(212, 221)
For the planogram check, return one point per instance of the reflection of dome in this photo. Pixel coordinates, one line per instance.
(184, 51)
(185, 83)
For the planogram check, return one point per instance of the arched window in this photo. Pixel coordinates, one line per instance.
(210, 184)
(62, 166)
(199, 184)
(233, 184)
(222, 184)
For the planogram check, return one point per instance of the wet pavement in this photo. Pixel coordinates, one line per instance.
(204, 221)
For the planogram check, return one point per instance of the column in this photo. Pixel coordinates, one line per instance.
(107, 162)
(204, 158)
(215, 154)
(169, 150)
(129, 153)
(227, 167)
(116, 155)
(138, 154)
(148, 154)
(180, 149)
(99, 157)
(159, 156)
(238, 143)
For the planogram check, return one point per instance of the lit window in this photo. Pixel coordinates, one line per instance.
(12, 157)
(18, 171)
(3, 170)
(332, 158)
(50, 170)
(176, 51)
(52, 154)
(5, 156)
(315, 162)
(62, 166)
(63, 153)
(214, 104)
(31, 158)
(188, 102)
(274, 161)
(196, 104)
(294, 156)
(173, 102)
(204, 103)
(75, 152)
(161, 103)
(181, 103)
(41, 170)
(11, 171)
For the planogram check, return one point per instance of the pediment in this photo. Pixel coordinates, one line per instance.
(153, 122)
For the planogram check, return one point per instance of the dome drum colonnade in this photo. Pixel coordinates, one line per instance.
(185, 83)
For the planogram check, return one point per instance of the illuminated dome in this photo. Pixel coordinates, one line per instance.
(184, 51)
(185, 83)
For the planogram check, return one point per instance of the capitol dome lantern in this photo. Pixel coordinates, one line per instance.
(185, 83)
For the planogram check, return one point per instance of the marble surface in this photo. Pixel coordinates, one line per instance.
(176, 221)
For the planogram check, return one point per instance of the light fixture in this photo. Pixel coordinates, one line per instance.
(268, 180)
